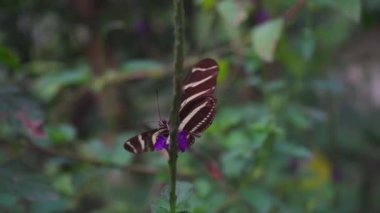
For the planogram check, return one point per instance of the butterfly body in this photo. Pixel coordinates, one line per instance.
(197, 111)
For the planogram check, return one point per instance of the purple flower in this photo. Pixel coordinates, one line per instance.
(337, 174)
(141, 26)
(182, 141)
(260, 16)
(160, 143)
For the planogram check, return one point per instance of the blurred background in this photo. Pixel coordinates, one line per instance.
(297, 125)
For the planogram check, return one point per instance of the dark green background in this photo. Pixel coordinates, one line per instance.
(297, 125)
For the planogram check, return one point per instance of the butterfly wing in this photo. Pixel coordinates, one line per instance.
(198, 102)
(145, 141)
(198, 115)
(200, 82)
(197, 109)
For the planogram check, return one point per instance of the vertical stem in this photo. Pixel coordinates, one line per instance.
(177, 81)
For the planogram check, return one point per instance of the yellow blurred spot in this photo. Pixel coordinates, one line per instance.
(257, 172)
(320, 172)
(208, 4)
(223, 70)
(311, 204)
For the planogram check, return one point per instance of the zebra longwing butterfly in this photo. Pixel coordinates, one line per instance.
(196, 113)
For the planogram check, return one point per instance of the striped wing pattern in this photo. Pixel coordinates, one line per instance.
(197, 111)
(145, 141)
(200, 82)
(198, 115)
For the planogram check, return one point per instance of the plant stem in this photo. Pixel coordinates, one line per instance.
(177, 81)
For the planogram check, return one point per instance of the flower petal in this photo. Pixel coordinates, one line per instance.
(160, 143)
(182, 141)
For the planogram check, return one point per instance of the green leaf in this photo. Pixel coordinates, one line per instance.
(61, 133)
(141, 65)
(261, 199)
(43, 67)
(293, 150)
(298, 116)
(9, 58)
(207, 4)
(7, 200)
(183, 191)
(232, 12)
(350, 8)
(290, 58)
(52, 206)
(64, 184)
(307, 44)
(252, 64)
(203, 28)
(94, 148)
(265, 37)
(227, 117)
(275, 85)
(118, 155)
(160, 210)
(20, 181)
(235, 138)
(202, 186)
(259, 139)
(233, 163)
(224, 69)
(49, 85)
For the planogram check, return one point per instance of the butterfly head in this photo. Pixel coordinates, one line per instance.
(163, 124)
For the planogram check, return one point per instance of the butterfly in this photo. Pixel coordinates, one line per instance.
(196, 113)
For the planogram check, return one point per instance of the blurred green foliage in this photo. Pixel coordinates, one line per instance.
(298, 101)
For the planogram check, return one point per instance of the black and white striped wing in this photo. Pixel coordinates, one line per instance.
(197, 116)
(197, 111)
(145, 141)
(198, 102)
(200, 82)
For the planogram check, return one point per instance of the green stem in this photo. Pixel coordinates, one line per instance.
(177, 81)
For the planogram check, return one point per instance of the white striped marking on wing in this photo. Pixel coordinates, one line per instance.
(195, 96)
(195, 69)
(204, 119)
(190, 115)
(133, 148)
(155, 135)
(194, 84)
(141, 142)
